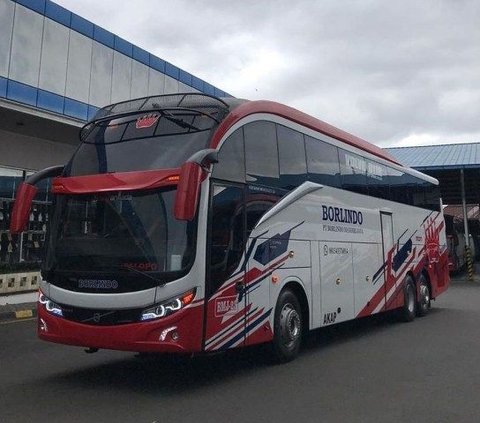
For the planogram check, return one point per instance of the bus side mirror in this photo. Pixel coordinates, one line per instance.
(188, 191)
(22, 206)
(26, 192)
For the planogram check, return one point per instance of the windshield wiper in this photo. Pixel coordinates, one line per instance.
(178, 121)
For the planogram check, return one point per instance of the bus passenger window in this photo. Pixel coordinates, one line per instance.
(377, 180)
(322, 162)
(255, 209)
(400, 186)
(261, 154)
(353, 169)
(291, 154)
(432, 196)
(231, 159)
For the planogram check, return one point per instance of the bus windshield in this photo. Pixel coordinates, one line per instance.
(124, 232)
(141, 141)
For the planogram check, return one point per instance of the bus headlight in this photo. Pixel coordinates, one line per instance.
(51, 307)
(168, 307)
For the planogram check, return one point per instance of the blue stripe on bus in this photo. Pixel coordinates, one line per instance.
(251, 326)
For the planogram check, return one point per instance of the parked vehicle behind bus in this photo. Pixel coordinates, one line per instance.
(187, 223)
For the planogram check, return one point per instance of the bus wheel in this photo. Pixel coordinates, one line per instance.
(288, 327)
(409, 308)
(423, 304)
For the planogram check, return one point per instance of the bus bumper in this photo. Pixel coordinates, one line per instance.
(178, 333)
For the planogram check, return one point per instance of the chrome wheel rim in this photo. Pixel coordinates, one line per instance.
(410, 299)
(290, 325)
(424, 295)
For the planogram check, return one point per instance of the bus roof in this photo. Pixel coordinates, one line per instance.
(241, 109)
(234, 110)
(207, 103)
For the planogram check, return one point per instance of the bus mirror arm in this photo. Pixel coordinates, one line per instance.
(26, 192)
(192, 173)
(188, 191)
(204, 158)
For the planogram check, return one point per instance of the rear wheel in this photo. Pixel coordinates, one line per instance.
(288, 327)
(409, 308)
(423, 305)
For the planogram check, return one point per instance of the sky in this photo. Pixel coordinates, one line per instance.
(396, 73)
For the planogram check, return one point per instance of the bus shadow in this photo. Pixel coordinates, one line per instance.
(172, 375)
(166, 374)
(358, 328)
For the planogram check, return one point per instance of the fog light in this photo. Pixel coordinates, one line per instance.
(43, 325)
(175, 336)
(165, 332)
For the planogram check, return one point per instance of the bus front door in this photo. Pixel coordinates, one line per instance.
(388, 241)
(224, 295)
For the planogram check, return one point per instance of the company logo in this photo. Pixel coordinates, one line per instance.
(225, 306)
(146, 121)
(144, 266)
(97, 317)
(97, 283)
(339, 214)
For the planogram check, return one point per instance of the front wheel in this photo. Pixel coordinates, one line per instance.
(409, 308)
(423, 305)
(288, 327)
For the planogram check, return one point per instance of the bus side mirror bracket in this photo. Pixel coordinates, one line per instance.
(205, 157)
(188, 188)
(188, 191)
(26, 192)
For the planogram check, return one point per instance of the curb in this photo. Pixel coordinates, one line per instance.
(18, 311)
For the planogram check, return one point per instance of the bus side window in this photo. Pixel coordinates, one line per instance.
(231, 159)
(291, 154)
(322, 162)
(432, 196)
(255, 209)
(377, 180)
(261, 153)
(400, 184)
(353, 169)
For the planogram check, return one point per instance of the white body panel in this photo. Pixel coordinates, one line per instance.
(345, 270)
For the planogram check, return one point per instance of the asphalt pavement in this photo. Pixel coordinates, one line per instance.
(372, 370)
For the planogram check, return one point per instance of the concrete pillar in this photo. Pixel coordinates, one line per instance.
(464, 206)
(468, 252)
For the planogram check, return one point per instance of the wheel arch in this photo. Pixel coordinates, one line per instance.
(411, 274)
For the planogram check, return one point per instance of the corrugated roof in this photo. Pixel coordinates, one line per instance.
(446, 156)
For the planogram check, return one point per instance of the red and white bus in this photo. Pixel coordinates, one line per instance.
(187, 223)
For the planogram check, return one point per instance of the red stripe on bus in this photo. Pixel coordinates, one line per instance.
(118, 181)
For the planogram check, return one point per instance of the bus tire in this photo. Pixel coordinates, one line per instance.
(409, 309)
(288, 327)
(424, 296)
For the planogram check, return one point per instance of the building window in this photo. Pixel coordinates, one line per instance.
(24, 251)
